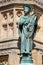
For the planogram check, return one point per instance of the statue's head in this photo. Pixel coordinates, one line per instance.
(27, 9)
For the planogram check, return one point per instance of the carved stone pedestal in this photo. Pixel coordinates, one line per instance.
(26, 60)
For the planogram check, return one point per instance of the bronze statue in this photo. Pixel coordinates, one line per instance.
(26, 31)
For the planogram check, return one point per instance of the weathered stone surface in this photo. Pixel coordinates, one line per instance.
(11, 44)
(35, 2)
(11, 47)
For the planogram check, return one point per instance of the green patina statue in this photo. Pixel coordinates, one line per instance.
(26, 33)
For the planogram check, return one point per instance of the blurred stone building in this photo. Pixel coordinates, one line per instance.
(10, 12)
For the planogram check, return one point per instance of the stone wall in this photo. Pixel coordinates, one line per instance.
(9, 45)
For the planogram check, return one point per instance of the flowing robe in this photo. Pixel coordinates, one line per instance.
(26, 30)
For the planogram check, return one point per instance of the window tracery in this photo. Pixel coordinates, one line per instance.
(7, 24)
(19, 13)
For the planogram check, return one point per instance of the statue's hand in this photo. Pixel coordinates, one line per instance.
(36, 14)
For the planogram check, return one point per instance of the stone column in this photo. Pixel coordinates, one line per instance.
(11, 59)
(39, 58)
(16, 20)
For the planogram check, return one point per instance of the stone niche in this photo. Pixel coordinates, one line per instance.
(9, 21)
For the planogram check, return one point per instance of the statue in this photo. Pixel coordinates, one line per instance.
(26, 33)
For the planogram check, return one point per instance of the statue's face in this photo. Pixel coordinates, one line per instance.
(26, 10)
